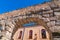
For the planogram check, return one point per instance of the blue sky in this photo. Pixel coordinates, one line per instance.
(10, 5)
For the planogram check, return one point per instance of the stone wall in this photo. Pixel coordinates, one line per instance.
(49, 12)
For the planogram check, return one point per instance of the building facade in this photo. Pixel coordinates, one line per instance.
(32, 33)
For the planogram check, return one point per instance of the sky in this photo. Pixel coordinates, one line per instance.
(10, 5)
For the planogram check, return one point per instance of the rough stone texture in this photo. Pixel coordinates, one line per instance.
(49, 12)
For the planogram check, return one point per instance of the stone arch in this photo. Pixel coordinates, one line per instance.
(20, 22)
(7, 27)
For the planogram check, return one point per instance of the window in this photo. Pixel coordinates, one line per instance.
(43, 33)
(29, 24)
(30, 34)
(20, 35)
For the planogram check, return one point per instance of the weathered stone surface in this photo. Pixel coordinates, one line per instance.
(49, 12)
